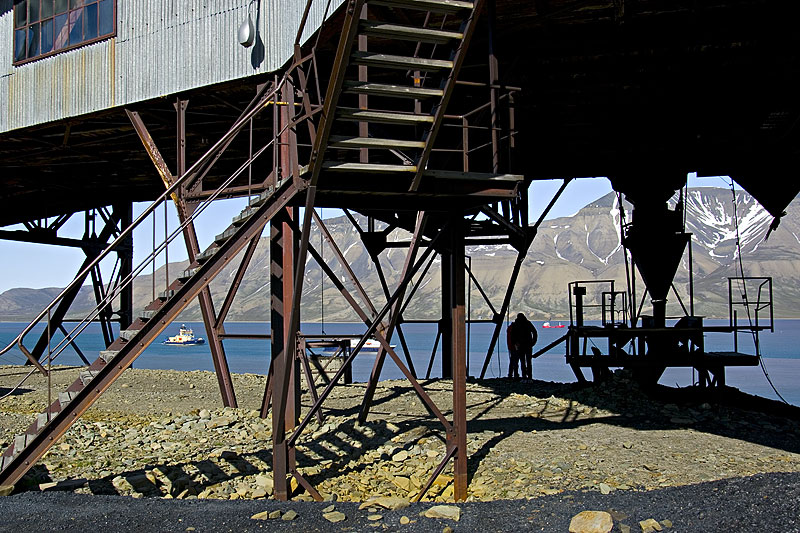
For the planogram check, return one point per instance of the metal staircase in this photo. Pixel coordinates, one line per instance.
(379, 119)
(391, 86)
(29, 446)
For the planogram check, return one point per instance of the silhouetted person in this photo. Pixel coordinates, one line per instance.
(521, 337)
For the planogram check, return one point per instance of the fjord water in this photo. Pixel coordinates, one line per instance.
(781, 354)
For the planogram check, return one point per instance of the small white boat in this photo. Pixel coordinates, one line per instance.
(371, 346)
(184, 337)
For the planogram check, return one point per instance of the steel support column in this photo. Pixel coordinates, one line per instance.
(445, 324)
(458, 352)
(124, 211)
(282, 244)
(284, 315)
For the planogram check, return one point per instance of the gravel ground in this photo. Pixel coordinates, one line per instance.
(158, 453)
(765, 502)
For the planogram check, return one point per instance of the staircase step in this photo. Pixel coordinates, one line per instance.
(374, 59)
(261, 198)
(42, 420)
(5, 461)
(372, 142)
(371, 168)
(65, 397)
(384, 117)
(242, 217)
(128, 334)
(395, 91)
(188, 273)
(86, 376)
(225, 235)
(147, 314)
(166, 295)
(20, 441)
(108, 355)
(204, 256)
(437, 6)
(407, 33)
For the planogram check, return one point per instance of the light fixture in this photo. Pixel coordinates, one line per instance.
(247, 30)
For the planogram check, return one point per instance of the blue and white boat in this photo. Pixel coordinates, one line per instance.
(185, 337)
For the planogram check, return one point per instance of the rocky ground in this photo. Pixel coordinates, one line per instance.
(163, 434)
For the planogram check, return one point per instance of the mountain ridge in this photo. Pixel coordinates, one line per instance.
(584, 246)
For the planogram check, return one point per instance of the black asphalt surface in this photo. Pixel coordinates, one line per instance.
(765, 502)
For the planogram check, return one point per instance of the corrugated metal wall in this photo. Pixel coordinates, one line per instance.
(162, 47)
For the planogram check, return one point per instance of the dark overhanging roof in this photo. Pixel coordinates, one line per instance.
(642, 91)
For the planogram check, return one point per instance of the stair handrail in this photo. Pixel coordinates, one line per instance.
(256, 106)
(234, 130)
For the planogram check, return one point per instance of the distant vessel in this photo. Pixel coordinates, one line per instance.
(371, 346)
(548, 325)
(184, 337)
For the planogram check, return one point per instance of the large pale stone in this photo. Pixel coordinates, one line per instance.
(392, 503)
(449, 512)
(6, 490)
(591, 522)
(334, 516)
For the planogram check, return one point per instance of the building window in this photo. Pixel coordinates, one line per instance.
(47, 27)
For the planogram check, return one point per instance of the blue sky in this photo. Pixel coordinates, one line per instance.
(38, 266)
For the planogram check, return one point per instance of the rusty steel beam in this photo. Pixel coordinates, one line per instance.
(458, 436)
(370, 330)
(205, 301)
(152, 329)
(284, 382)
(57, 316)
(427, 401)
(407, 274)
(343, 261)
(125, 255)
(234, 286)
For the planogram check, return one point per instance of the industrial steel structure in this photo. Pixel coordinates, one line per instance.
(429, 116)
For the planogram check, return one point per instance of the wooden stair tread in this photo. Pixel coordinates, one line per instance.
(408, 33)
(438, 6)
(397, 91)
(375, 59)
(389, 117)
(335, 166)
(373, 142)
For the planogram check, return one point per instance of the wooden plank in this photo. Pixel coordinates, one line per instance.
(438, 6)
(367, 167)
(386, 117)
(408, 33)
(372, 142)
(396, 91)
(373, 59)
(473, 176)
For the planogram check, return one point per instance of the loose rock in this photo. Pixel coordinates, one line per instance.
(449, 512)
(591, 522)
(334, 516)
(650, 525)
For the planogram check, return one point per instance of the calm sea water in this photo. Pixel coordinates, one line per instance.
(781, 351)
